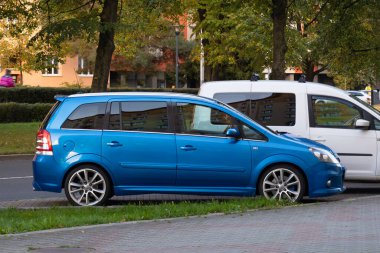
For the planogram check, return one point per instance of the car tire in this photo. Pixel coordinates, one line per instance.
(282, 181)
(87, 185)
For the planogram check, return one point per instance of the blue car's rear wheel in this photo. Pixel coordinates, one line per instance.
(282, 182)
(87, 185)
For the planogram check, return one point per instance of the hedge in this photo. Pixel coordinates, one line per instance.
(33, 95)
(22, 112)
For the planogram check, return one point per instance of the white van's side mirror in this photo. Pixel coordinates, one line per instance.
(362, 124)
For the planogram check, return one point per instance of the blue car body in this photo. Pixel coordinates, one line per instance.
(139, 162)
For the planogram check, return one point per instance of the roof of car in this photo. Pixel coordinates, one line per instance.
(276, 85)
(141, 94)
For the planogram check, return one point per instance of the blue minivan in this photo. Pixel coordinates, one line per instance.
(98, 145)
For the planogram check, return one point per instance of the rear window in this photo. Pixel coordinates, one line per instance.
(48, 116)
(267, 108)
(86, 116)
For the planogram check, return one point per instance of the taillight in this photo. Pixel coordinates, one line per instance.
(44, 146)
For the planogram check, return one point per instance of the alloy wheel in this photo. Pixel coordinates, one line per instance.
(87, 187)
(282, 183)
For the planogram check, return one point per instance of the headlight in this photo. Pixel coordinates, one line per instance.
(323, 155)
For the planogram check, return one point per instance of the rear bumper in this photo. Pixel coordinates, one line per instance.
(46, 174)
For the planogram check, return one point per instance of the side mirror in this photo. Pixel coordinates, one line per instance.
(233, 132)
(362, 124)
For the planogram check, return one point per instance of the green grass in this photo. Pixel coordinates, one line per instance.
(22, 220)
(18, 138)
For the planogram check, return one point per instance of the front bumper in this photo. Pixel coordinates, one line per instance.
(327, 179)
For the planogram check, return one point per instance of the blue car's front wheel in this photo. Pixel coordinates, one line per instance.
(282, 181)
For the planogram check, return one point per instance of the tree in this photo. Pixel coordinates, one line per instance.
(63, 21)
(146, 37)
(329, 33)
(94, 21)
(234, 36)
(339, 36)
(106, 45)
(16, 28)
(279, 16)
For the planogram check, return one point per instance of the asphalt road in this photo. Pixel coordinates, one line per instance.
(16, 178)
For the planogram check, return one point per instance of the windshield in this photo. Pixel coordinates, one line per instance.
(366, 105)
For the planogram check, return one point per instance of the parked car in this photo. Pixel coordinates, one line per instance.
(104, 144)
(320, 112)
(363, 95)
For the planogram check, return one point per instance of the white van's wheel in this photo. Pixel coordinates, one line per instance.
(87, 185)
(282, 182)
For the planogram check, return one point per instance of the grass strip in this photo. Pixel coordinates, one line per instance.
(18, 138)
(23, 220)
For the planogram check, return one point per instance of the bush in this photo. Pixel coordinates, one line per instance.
(21, 112)
(33, 95)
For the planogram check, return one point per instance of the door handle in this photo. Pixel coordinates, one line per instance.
(114, 144)
(188, 148)
(319, 139)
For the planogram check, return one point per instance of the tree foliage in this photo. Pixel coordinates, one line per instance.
(16, 26)
(341, 36)
(235, 36)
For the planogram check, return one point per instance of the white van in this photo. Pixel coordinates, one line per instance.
(319, 112)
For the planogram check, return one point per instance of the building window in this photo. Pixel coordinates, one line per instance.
(52, 68)
(85, 67)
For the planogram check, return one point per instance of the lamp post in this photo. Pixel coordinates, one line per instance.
(177, 31)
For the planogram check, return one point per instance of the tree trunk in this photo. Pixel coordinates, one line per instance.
(308, 70)
(279, 15)
(106, 46)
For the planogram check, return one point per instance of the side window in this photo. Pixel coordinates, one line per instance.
(271, 109)
(201, 120)
(147, 116)
(377, 124)
(86, 116)
(114, 120)
(330, 112)
(252, 134)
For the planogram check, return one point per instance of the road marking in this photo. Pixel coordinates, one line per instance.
(8, 178)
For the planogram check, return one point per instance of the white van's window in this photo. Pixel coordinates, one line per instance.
(330, 112)
(271, 109)
(201, 120)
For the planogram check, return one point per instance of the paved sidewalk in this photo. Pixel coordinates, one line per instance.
(343, 226)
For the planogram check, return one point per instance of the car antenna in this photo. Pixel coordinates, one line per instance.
(302, 79)
(255, 77)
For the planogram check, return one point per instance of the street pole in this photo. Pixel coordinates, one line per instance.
(176, 55)
(202, 64)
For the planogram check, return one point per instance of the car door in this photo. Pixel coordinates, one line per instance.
(206, 157)
(139, 144)
(332, 122)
